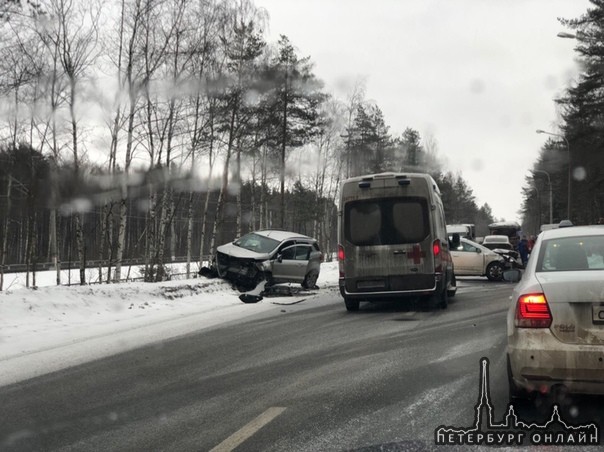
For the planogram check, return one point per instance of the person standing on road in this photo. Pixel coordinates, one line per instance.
(523, 250)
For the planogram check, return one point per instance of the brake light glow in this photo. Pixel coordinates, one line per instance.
(340, 253)
(436, 251)
(532, 311)
(436, 248)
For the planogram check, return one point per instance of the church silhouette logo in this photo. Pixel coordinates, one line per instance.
(513, 431)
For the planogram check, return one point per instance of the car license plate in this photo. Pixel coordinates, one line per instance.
(371, 284)
(598, 314)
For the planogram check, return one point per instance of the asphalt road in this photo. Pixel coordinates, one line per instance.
(302, 377)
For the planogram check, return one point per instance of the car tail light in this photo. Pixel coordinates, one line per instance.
(436, 248)
(436, 251)
(341, 257)
(532, 311)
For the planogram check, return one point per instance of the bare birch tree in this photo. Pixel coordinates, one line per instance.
(74, 32)
(242, 43)
(200, 118)
(50, 87)
(33, 60)
(137, 65)
(162, 119)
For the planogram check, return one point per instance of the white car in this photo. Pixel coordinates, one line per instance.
(501, 245)
(497, 242)
(555, 323)
(472, 259)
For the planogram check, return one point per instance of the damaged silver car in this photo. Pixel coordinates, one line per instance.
(270, 255)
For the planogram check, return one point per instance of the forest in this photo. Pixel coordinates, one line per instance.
(570, 166)
(155, 130)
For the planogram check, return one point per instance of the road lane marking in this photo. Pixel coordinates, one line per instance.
(248, 430)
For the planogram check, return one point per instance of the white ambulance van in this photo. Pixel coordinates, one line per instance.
(392, 240)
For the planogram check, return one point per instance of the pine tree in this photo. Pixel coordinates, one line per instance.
(583, 113)
(368, 142)
(290, 106)
(413, 149)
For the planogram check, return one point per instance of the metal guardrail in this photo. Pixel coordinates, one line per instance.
(92, 264)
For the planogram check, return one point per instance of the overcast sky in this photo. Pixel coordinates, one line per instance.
(479, 75)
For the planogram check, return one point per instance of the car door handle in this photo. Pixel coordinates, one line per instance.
(399, 252)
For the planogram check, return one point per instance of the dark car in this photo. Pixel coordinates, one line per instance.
(269, 255)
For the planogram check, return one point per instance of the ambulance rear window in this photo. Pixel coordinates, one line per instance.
(387, 221)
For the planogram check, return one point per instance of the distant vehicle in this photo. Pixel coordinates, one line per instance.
(472, 259)
(556, 321)
(497, 241)
(392, 240)
(464, 230)
(501, 245)
(273, 256)
(509, 228)
(546, 227)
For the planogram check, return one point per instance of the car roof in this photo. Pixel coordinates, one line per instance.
(457, 227)
(496, 239)
(279, 235)
(389, 175)
(504, 224)
(573, 231)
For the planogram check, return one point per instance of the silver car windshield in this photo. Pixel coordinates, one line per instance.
(257, 243)
(572, 254)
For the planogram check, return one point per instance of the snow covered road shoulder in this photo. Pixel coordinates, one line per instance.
(52, 328)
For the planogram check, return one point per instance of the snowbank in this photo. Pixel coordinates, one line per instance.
(52, 327)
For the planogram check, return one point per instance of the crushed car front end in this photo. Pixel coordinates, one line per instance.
(243, 268)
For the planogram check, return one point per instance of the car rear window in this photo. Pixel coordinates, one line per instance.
(387, 221)
(502, 246)
(572, 254)
(257, 243)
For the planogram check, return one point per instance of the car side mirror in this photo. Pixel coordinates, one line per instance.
(513, 275)
(279, 258)
(478, 251)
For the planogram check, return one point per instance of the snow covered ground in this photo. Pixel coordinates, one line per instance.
(51, 328)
